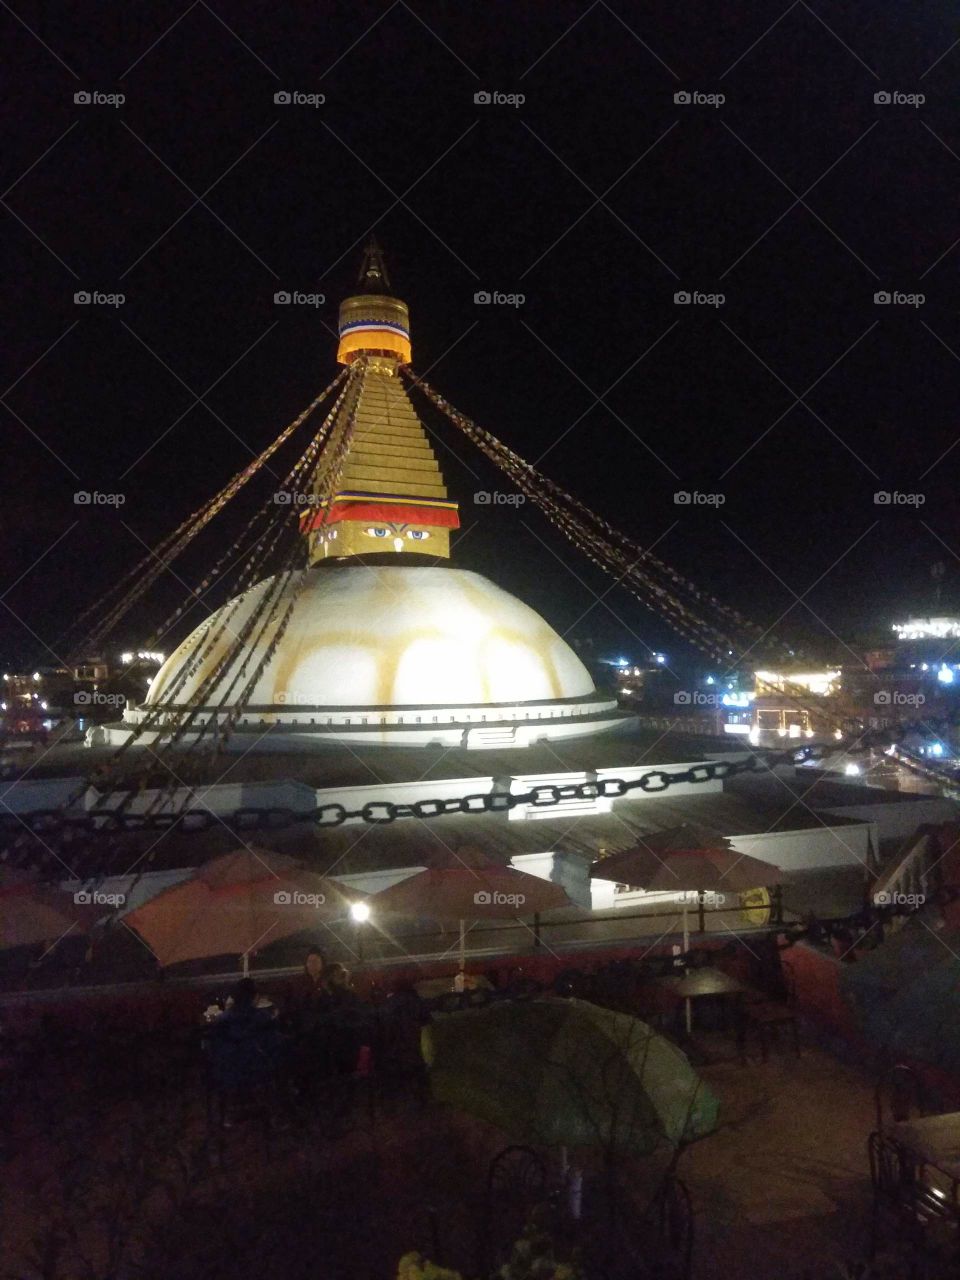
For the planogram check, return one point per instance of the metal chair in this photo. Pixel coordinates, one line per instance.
(926, 1220)
(766, 1016)
(673, 1220)
(898, 1095)
(517, 1182)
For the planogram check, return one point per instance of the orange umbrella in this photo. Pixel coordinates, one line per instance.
(482, 890)
(235, 904)
(31, 912)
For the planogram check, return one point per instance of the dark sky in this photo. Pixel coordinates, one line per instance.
(598, 198)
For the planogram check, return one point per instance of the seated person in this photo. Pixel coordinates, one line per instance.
(339, 988)
(244, 1042)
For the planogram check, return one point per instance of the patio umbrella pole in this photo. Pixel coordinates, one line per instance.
(571, 1180)
(686, 948)
(458, 982)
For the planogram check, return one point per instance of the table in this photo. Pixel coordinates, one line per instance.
(933, 1141)
(698, 984)
(429, 988)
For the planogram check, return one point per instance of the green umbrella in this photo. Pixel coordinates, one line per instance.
(568, 1073)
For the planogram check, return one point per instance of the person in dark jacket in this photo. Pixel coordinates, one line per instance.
(244, 1042)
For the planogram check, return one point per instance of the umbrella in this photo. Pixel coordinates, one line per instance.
(568, 1073)
(905, 995)
(31, 912)
(473, 888)
(233, 904)
(688, 858)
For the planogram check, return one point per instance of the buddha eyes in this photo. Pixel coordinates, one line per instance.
(381, 531)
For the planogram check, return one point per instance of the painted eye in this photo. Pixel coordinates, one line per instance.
(418, 535)
(377, 531)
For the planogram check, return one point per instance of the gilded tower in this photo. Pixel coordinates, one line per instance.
(390, 497)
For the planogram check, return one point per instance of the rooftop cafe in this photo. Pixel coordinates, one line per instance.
(683, 1079)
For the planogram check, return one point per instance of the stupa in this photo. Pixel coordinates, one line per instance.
(386, 642)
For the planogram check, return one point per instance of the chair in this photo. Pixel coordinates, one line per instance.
(521, 987)
(569, 982)
(924, 1217)
(242, 1075)
(448, 1002)
(656, 1244)
(516, 1183)
(767, 1016)
(672, 1218)
(898, 1095)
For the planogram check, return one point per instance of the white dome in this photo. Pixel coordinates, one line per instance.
(389, 636)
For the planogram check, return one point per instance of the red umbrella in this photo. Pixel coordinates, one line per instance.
(685, 859)
(234, 904)
(473, 888)
(31, 912)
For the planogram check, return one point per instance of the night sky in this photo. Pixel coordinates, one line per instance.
(797, 199)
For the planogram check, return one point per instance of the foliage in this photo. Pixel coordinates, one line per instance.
(414, 1267)
(535, 1257)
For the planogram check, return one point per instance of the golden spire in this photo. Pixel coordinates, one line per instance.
(373, 323)
(391, 497)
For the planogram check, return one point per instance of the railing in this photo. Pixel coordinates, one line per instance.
(909, 877)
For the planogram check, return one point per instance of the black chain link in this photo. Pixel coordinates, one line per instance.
(385, 812)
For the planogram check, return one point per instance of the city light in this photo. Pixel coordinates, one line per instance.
(359, 912)
(736, 699)
(852, 771)
(945, 675)
(928, 629)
